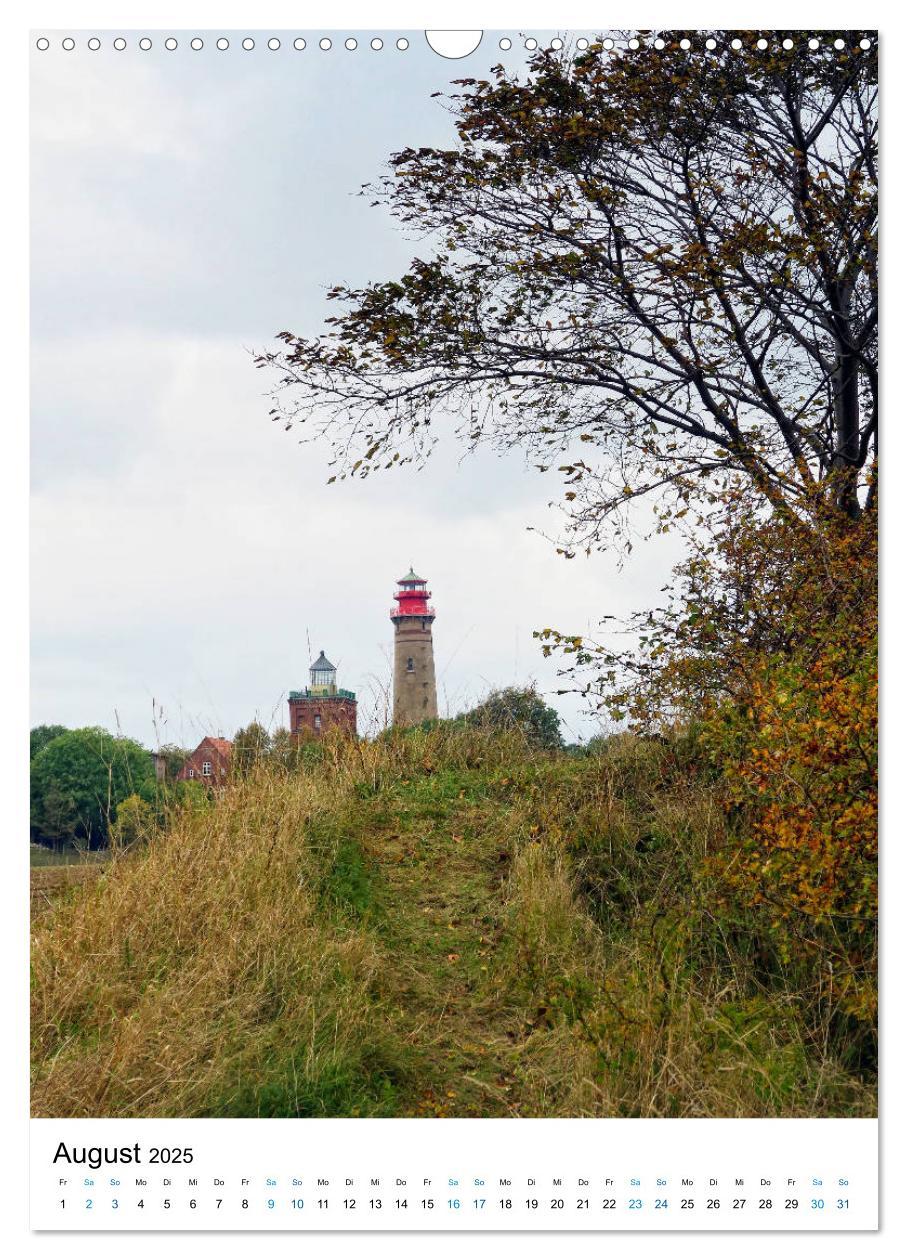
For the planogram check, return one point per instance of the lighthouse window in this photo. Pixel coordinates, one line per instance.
(410, 664)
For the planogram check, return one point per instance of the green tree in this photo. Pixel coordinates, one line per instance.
(41, 735)
(251, 745)
(60, 820)
(284, 750)
(653, 267)
(522, 708)
(174, 760)
(93, 771)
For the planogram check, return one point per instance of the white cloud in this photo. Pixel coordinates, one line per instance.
(203, 553)
(121, 108)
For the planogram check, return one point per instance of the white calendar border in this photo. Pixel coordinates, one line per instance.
(618, 1175)
(13, 504)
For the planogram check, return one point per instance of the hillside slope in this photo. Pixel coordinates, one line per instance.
(440, 923)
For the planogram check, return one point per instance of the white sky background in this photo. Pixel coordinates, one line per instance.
(186, 206)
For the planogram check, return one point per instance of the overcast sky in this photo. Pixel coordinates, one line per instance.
(186, 207)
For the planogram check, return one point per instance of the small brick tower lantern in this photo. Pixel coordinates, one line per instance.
(414, 658)
(323, 706)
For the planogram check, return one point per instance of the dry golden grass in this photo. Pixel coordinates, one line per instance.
(441, 922)
(49, 883)
(192, 960)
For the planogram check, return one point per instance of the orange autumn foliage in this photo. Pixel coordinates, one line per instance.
(764, 663)
(797, 750)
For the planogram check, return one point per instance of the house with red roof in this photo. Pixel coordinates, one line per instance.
(210, 763)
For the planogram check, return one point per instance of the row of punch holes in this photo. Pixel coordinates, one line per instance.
(376, 43)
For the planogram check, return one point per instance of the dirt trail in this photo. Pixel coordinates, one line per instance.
(445, 900)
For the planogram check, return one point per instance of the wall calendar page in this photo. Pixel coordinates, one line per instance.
(455, 1175)
(454, 527)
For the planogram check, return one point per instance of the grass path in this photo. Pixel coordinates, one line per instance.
(443, 870)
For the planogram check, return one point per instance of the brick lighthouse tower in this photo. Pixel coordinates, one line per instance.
(414, 659)
(323, 706)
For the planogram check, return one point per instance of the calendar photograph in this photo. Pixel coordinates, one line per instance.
(453, 575)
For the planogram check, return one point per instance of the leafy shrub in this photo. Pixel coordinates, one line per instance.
(521, 709)
(134, 822)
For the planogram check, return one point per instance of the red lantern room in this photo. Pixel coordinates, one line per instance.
(412, 599)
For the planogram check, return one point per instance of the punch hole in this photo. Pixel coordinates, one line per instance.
(452, 44)
(403, 44)
(43, 44)
(274, 43)
(299, 44)
(196, 44)
(377, 44)
(223, 43)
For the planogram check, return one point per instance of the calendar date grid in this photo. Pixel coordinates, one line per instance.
(446, 1195)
